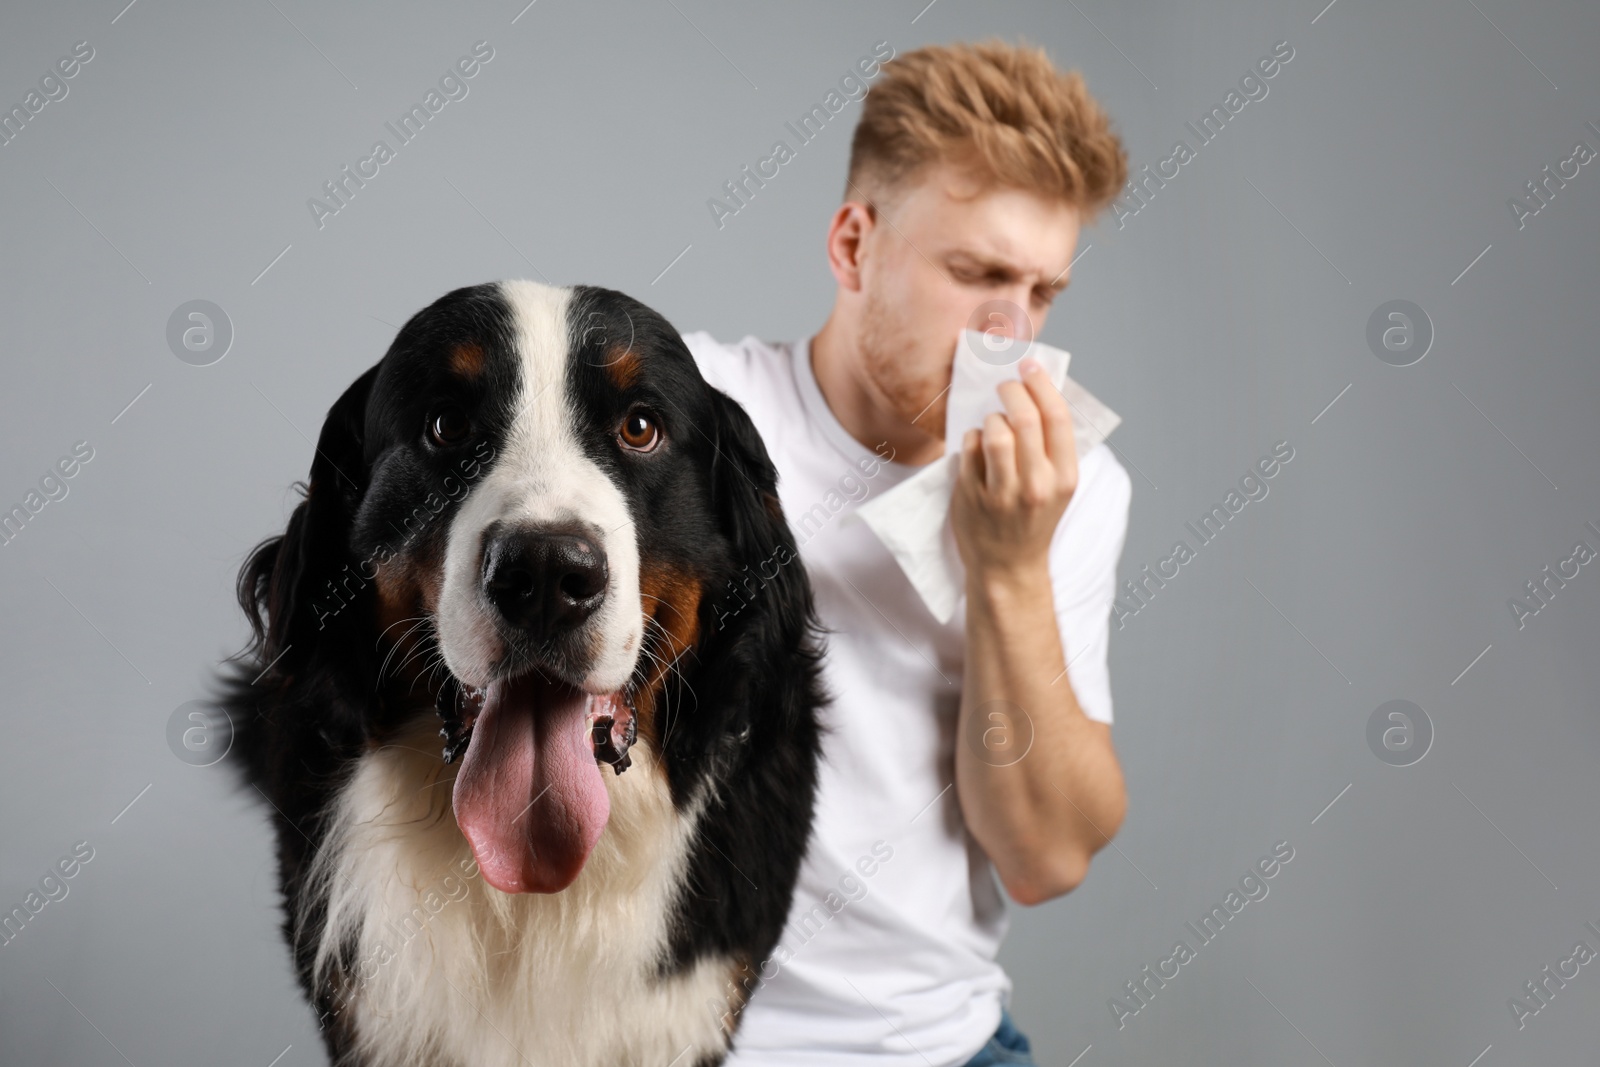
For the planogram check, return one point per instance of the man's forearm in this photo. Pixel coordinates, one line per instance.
(1041, 818)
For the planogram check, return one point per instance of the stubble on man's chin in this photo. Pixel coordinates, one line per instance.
(902, 378)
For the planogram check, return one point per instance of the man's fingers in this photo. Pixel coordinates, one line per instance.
(970, 469)
(999, 455)
(1056, 419)
(1033, 464)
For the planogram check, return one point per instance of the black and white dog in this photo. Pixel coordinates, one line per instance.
(518, 528)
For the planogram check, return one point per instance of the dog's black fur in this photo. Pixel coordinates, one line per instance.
(738, 712)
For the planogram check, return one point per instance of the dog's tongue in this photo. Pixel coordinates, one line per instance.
(529, 796)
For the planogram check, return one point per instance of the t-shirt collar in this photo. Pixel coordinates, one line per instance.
(822, 416)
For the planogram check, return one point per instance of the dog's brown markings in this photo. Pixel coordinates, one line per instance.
(406, 589)
(672, 598)
(622, 366)
(467, 359)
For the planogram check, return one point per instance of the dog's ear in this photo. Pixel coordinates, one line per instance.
(290, 586)
(744, 489)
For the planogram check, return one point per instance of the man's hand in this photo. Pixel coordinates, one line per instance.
(1042, 815)
(1017, 476)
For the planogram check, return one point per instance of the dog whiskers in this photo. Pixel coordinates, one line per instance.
(667, 669)
(417, 622)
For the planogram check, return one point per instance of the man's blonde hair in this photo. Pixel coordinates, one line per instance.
(1001, 113)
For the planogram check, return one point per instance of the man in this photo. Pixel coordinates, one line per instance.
(971, 171)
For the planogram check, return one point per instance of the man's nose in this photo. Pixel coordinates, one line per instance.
(1007, 315)
(543, 581)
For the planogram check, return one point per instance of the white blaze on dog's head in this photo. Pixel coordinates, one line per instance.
(541, 478)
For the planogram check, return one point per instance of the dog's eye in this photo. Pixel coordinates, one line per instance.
(638, 432)
(449, 426)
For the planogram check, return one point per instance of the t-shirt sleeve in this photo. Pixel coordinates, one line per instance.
(746, 371)
(1083, 575)
(728, 368)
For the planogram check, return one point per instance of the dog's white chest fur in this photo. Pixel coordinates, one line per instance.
(449, 970)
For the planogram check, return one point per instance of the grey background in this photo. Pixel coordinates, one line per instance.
(1220, 320)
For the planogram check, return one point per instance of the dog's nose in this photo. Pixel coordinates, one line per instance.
(544, 581)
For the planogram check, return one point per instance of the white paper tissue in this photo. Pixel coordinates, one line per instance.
(913, 519)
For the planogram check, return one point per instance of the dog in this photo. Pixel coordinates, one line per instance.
(533, 803)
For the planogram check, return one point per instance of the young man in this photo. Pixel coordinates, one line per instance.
(971, 171)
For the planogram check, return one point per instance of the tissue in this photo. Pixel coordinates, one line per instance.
(913, 519)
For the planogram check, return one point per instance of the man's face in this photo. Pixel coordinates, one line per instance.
(943, 249)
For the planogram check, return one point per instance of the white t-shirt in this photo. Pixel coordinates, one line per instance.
(888, 957)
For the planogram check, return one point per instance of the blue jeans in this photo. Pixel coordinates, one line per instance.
(1008, 1045)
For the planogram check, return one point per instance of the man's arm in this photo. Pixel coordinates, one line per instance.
(1041, 818)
